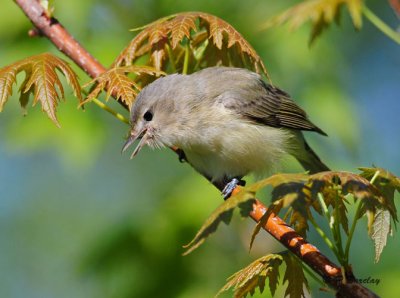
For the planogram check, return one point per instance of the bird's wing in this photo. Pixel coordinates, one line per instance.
(263, 103)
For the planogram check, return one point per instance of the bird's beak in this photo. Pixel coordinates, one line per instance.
(132, 138)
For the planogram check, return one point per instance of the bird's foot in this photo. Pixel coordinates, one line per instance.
(181, 155)
(230, 186)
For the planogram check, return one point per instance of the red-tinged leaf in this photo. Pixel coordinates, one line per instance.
(42, 80)
(24, 96)
(380, 230)
(295, 277)
(243, 199)
(7, 79)
(158, 55)
(134, 50)
(321, 13)
(182, 30)
(158, 33)
(218, 28)
(181, 27)
(116, 82)
(254, 275)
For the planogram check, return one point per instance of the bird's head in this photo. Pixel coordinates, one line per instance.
(153, 116)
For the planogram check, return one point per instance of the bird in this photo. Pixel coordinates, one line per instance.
(226, 122)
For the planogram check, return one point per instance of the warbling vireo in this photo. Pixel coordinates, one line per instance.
(227, 121)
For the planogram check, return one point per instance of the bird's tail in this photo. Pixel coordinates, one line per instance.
(310, 160)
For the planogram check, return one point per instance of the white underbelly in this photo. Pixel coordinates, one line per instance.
(241, 149)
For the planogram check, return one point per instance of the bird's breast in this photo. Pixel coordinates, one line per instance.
(234, 148)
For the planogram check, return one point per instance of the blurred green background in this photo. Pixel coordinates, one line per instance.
(78, 219)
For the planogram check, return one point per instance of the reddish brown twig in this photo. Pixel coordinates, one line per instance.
(310, 255)
(331, 273)
(60, 37)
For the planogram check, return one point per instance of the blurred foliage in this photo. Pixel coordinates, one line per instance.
(320, 12)
(69, 202)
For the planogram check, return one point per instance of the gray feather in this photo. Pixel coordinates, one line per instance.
(248, 95)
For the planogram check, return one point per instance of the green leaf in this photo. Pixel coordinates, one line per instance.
(333, 184)
(387, 183)
(254, 275)
(295, 277)
(244, 200)
(380, 230)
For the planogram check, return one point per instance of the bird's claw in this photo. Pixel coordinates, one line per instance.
(181, 155)
(230, 186)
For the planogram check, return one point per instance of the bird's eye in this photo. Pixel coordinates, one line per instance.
(148, 116)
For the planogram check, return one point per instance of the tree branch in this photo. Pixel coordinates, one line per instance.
(61, 38)
(309, 254)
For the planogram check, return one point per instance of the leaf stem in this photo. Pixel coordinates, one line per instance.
(372, 181)
(351, 233)
(186, 61)
(324, 237)
(382, 26)
(171, 58)
(336, 229)
(323, 205)
(117, 115)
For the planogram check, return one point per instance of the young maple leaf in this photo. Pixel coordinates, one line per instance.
(295, 277)
(116, 82)
(381, 227)
(243, 200)
(41, 80)
(254, 275)
(321, 13)
(174, 39)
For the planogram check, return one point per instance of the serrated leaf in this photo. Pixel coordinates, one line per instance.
(283, 195)
(321, 13)
(289, 191)
(7, 79)
(295, 277)
(24, 96)
(254, 275)
(380, 229)
(41, 80)
(387, 183)
(243, 200)
(181, 27)
(116, 82)
(300, 193)
(358, 186)
(180, 30)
